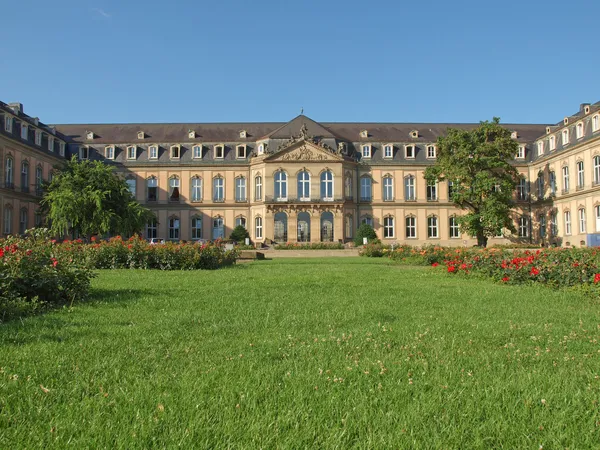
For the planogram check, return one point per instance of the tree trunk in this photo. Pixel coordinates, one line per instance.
(481, 239)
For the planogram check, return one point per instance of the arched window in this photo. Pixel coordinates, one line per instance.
(366, 219)
(349, 226)
(280, 185)
(388, 227)
(196, 189)
(258, 188)
(348, 187)
(174, 189)
(388, 188)
(522, 189)
(9, 173)
(23, 220)
(280, 227)
(151, 229)
(409, 188)
(454, 228)
(432, 189)
(152, 189)
(240, 189)
(218, 228)
(196, 227)
(174, 226)
(218, 190)
(327, 226)
(303, 227)
(579, 130)
(411, 227)
(258, 227)
(366, 194)
(39, 179)
(8, 218)
(240, 221)
(327, 185)
(25, 176)
(304, 186)
(432, 227)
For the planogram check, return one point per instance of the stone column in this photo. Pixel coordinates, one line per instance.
(315, 226)
(338, 225)
(292, 230)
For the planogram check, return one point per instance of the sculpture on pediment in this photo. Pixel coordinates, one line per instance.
(303, 131)
(341, 148)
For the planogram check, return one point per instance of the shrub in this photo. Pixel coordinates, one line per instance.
(239, 234)
(310, 246)
(364, 231)
(374, 250)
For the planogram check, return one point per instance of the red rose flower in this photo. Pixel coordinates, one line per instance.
(505, 279)
(434, 264)
(451, 269)
(597, 278)
(54, 262)
(534, 271)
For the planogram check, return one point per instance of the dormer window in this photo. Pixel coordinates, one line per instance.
(84, 153)
(586, 109)
(192, 134)
(366, 151)
(89, 135)
(240, 152)
(261, 149)
(131, 152)
(565, 137)
(8, 123)
(50, 143)
(109, 152)
(153, 152)
(61, 148)
(219, 151)
(431, 151)
(243, 134)
(141, 135)
(579, 130)
(388, 151)
(552, 143)
(548, 130)
(521, 152)
(197, 152)
(414, 134)
(565, 120)
(175, 150)
(540, 148)
(24, 131)
(364, 134)
(38, 137)
(409, 151)
(595, 123)
(514, 135)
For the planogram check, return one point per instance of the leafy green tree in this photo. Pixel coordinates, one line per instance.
(89, 198)
(477, 162)
(239, 234)
(365, 231)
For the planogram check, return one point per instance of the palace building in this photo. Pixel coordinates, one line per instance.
(304, 181)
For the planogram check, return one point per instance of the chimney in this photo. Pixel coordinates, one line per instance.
(16, 107)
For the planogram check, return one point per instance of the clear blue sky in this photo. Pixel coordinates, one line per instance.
(87, 61)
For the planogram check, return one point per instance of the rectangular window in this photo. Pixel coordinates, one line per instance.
(258, 188)
(258, 227)
(366, 151)
(366, 220)
(388, 227)
(174, 228)
(432, 227)
(241, 152)
(153, 152)
(109, 152)
(521, 152)
(175, 152)
(196, 189)
(542, 222)
(411, 227)
(51, 143)
(582, 226)
(596, 123)
(552, 183)
(540, 186)
(38, 137)
(596, 169)
(240, 189)
(388, 151)
(580, 175)
(553, 225)
(597, 211)
(197, 152)
(454, 228)
(579, 130)
(523, 227)
(24, 131)
(218, 228)
(565, 137)
(349, 224)
(410, 151)
(432, 192)
(152, 189)
(218, 190)
(388, 189)
(409, 188)
(84, 153)
(219, 152)
(431, 151)
(552, 143)
(196, 228)
(131, 184)
(568, 222)
(131, 152)
(540, 148)
(365, 189)
(8, 123)
(61, 149)
(565, 171)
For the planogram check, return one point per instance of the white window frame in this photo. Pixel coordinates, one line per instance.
(8, 123)
(24, 131)
(151, 149)
(567, 216)
(432, 192)
(410, 194)
(433, 227)
(219, 154)
(177, 148)
(579, 130)
(597, 211)
(454, 228)
(552, 143)
(389, 229)
(597, 169)
(328, 194)
(51, 143)
(196, 227)
(431, 152)
(540, 148)
(410, 227)
(582, 221)
(565, 137)
(595, 123)
(261, 150)
(61, 148)
(258, 227)
(237, 152)
(174, 228)
(197, 152)
(366, 151)
(131, 152)
(196, 191)
(84, 149)
(38, 137)
(523, 227)
(580, 175)
(241, 189)
(388, 188)
(218, 187)
(303, 187)
(363, 185)
(413, 151)
(565, 174)
(258, 188)
(280, 183)
(388, 151)
(109, 152)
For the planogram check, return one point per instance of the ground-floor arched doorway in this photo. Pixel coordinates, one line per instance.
(303, 227)
(327, 227)
(280, 227)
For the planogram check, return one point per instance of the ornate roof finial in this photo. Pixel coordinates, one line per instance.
(302, 110)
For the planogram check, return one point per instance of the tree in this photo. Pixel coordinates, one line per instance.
(364, 231)
(239, 234)
(477, 162)
(89, 198)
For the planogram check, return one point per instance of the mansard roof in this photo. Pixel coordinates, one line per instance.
(230, 132)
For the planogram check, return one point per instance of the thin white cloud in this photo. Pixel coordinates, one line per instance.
(102, 13)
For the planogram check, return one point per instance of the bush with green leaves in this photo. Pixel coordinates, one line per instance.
(239, 234)
(365, 231)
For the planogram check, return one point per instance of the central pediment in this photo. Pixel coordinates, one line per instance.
(305, 151)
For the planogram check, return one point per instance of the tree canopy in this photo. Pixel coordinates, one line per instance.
(91, 199)
(477, 163)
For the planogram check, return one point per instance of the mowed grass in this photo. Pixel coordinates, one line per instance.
(298, 353)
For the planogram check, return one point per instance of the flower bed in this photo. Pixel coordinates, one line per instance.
(310, 246)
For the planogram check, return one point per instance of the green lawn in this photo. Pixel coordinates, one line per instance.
(296, 353)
